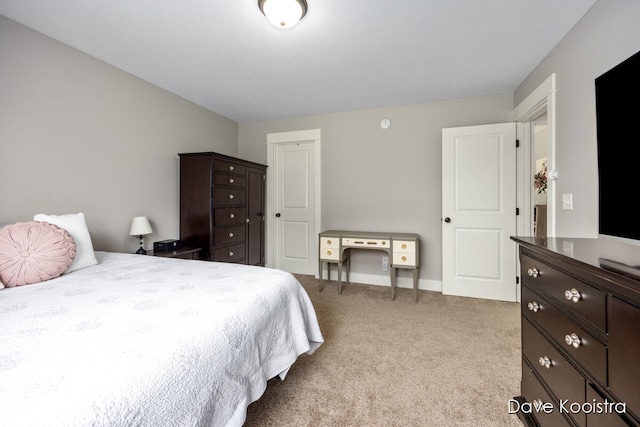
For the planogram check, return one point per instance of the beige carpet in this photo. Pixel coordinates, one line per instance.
(445, 361)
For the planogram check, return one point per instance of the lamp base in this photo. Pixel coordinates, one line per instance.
(141, 251)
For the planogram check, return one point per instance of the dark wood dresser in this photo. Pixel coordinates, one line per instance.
(222, 202)
(580, 332)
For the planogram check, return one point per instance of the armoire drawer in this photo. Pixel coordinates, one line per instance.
(229, 216)
(229, 196)
(576, 295)
(229, 180)
(553, 368)
(235, 253)
(229, 235)
(222, 165)
(590, 353)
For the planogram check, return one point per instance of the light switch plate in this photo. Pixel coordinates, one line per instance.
(567, 202)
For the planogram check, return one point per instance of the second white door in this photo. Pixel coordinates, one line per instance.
(479, 211)
(295, 228)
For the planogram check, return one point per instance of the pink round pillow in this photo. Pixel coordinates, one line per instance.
(32, 252)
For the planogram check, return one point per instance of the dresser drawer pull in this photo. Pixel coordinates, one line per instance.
(533, 272)
(231, 168)
(545, 361)
(572, 295)
(230, 253)
(328, 253)
(328, 242)
(231, 180)
(230, 196)
(573, 340)
(232, 216)
(404, 258)
(230, 234)
(533, 306)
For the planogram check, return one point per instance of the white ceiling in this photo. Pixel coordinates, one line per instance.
(344, 55)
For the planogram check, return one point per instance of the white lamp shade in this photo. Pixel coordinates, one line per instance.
(140, 226)
(283, 13)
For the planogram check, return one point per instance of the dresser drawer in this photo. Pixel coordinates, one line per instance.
(560, 376)
(603, 414)
(228, 235)
(228, 196)
(583, 299)
(590, 353)
(229, 180)
(229, 216)
(235, 253)
(536, 395)
(221, 165)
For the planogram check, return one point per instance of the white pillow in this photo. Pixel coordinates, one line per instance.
(75, 225)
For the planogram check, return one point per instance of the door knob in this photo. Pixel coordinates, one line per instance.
(278, 215)
(447, 220)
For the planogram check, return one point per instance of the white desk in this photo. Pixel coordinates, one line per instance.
(402, 248)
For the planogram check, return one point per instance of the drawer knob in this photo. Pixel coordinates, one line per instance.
(230, 234)
(230, 196)
(404, 258)
(539, 403)
(328, 252)
(572, 295)
(573, 340)
(328, 242)
(231, 181)
(533, 306)
(230, 253)
(545, 361)
(232, 216)
(231, 167)
(533, 272)
(404, 246)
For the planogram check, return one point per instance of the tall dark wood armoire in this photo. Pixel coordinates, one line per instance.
(222, 201)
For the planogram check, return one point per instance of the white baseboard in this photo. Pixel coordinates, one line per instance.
(405, 280)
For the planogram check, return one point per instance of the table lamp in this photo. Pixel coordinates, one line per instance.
(140, 227)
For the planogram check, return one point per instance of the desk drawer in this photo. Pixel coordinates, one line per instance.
(329, 242)
(365, 243)
(329, 254)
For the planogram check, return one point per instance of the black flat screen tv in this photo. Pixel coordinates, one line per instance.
(617, 115)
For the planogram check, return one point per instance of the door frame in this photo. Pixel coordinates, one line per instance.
(282, 138)
(542, 99)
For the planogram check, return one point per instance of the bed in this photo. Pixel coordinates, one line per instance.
(149, 341)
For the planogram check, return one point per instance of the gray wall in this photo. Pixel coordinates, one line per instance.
(77, 135)
(384, 180)
(608, 34)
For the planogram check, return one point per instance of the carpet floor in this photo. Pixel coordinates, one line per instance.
(444, 361)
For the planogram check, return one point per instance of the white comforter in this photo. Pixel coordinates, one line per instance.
(148, 341)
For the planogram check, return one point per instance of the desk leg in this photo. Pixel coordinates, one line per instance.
(415, 284)
(320, 276)
(394, 280)
(340, 277)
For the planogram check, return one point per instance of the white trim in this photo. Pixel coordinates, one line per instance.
(542, 99)
(273, 140)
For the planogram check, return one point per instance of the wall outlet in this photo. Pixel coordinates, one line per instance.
(385, 263)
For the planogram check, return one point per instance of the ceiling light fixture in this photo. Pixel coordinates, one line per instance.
(283, 13)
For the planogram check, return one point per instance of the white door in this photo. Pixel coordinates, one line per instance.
(479, 211)
(294, 210)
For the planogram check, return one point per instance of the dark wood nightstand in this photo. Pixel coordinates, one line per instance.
(185, 253)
